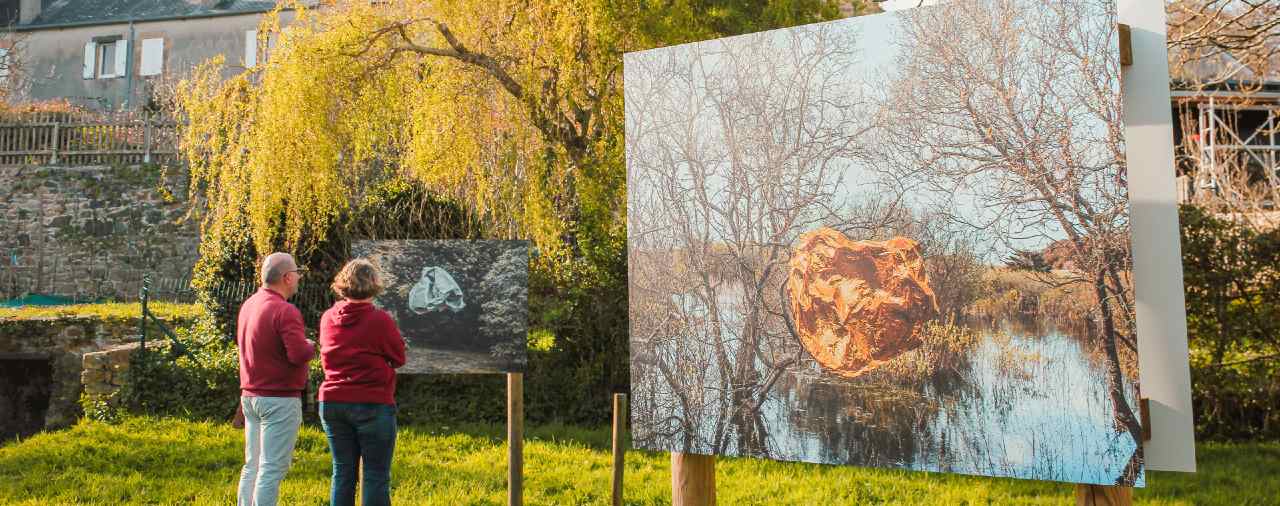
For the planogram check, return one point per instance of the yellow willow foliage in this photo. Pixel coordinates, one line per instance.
(353, 94)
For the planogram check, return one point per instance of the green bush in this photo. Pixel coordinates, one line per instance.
(396, 209)
(203, 385)
(578, 305)
(1232, 278)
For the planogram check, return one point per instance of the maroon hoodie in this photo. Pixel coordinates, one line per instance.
(274, 350)
(360, 348)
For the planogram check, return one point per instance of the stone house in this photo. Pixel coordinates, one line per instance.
(109, 54)
(90, 228)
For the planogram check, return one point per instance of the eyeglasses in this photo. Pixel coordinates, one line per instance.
(300, 270)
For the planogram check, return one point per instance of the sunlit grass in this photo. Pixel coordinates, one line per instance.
(151, 461)
(1010, 293)
(943, 351)
(108, 311)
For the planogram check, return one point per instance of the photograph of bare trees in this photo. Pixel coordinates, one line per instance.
(898, 240)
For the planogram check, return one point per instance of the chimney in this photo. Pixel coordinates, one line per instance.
(28, 10)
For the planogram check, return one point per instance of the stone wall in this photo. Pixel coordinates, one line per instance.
(105, 371)
(92, 232)
(63, 341)
(68, 342)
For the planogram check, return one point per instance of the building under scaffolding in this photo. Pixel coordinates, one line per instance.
(1227, 141)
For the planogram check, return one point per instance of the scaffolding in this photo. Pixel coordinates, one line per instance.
(1234, 140)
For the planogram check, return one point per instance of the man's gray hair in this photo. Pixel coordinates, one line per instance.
(275, 266)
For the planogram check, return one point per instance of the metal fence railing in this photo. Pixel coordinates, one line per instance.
(312, 298)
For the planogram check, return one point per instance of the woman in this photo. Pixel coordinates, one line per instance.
(360, 348)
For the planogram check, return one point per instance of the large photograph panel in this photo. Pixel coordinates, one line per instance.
(461, 305)
(900, 241)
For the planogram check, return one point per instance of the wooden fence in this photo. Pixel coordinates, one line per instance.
(82, 138)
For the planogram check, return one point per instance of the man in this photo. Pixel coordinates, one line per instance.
(273, 374)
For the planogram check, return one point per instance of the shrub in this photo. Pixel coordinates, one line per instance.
(1232, 278)
(203, 384)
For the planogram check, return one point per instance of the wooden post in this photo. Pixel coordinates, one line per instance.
(1126, 45)
(1144, 409)
(619, 428)
(1103, 495)
(53, 158)
(142, 318)
(515, 438)
(146, 140)
(693, 479)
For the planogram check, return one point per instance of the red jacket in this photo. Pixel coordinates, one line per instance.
(360, 348)
(274, 350)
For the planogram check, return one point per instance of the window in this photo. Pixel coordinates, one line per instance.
(152, 57)
(5, 63)
(105, 58)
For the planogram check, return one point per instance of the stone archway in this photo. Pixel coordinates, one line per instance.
(25, 387)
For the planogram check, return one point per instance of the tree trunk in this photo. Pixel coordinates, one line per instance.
(1115, 377)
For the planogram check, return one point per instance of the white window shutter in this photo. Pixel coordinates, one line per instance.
(271, 47)
(5, 63)
(122, 58)
(90, 57)
(250, 48)
(152, 57)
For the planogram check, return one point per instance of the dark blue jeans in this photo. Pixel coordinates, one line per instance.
(360, 433)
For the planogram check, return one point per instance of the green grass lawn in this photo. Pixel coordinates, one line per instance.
(105, 310)
(151, 461)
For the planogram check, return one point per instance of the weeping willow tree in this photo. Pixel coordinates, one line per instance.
(510, 109)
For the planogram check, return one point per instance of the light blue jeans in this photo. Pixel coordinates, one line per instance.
(270, 431)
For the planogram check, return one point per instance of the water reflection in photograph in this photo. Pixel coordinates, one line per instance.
(899, 240)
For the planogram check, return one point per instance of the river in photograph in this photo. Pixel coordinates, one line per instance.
(1029, 403)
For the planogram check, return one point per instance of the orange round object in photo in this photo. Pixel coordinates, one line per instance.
(858, 304)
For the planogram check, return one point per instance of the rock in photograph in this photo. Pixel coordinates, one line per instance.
(461, 305)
